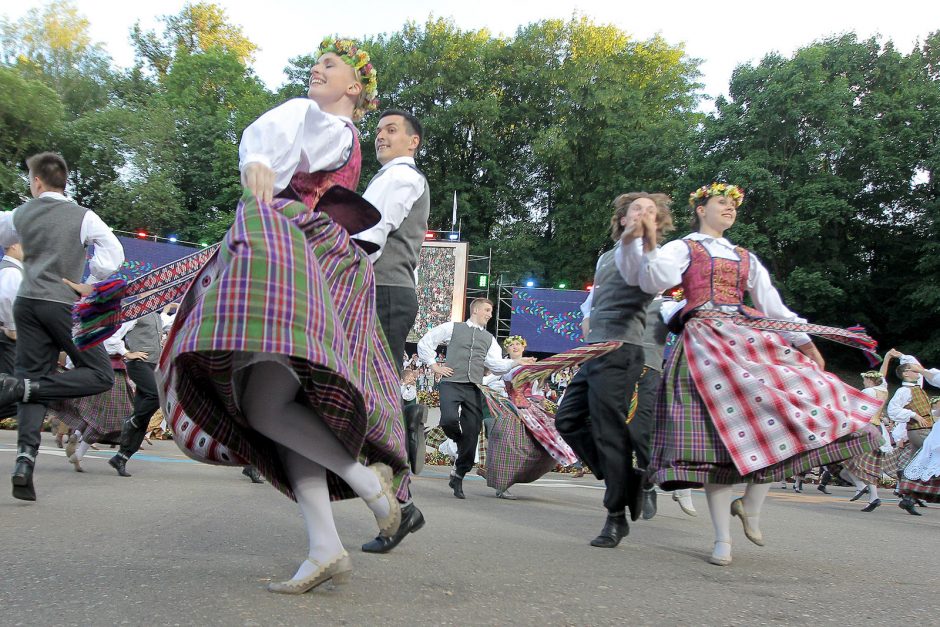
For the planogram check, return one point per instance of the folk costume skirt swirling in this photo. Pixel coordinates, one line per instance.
(739, 404)
(287, 284)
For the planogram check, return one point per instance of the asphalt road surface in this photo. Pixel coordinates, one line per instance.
(186, 543)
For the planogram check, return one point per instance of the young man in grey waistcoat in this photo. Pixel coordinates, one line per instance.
(54, 232)
(138, 342)
(592, 416)
(470, 349)
(400, 192)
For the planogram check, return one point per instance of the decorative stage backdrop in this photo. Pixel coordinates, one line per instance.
(549, 320)
(442, 285)
(144, 255)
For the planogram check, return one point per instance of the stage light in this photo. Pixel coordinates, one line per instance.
(173, 240)
(204, 245)
(530, 283)
(589, 288)
(429, 235)
(142, 234)
(453, 237)
(483, 280)
(562, 286)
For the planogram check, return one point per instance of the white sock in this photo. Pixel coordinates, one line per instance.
(81, 449)
(872, 493)
(269, 406)
(719, 508)
(753, 502)
(858, 483)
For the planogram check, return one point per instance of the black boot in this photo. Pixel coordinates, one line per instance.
(415, 418)
(119, 463)
(22, 478)
(252, 473)
(456, 484)
(12, 390)
(614, 529)
(907, 504)
(411, 520)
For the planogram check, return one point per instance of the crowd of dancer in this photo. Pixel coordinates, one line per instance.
(285, 352)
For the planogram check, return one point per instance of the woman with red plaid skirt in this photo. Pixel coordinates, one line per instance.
(744, 398)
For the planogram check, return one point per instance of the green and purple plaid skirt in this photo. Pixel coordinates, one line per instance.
(688, 450)
(287, 281)
(99, 417)
(870, 466)
(513, 455)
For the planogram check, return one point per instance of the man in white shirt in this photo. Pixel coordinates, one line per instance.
(11, 275)
(54, 232)
(470, 349)
(401, 194)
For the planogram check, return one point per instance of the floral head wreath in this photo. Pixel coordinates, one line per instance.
(513, 339)
(358, 59)
(934, 399)
(872, 374)
(704, 192)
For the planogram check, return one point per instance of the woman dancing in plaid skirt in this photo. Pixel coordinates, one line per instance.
(740, 404)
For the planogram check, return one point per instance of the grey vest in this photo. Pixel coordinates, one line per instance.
(466, 353)
(396, 266)
(617, 309)
(654, 338)
(145, 337)
(50, 231)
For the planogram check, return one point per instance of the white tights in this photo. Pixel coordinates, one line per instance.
(860, 485)
(308, 448)
(719, 497)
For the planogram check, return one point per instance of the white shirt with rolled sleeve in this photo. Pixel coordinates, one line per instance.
(897, 406)
(442, 333)
(10, 279)
(296, 136)
(663, 268)
(393, 194)
(108, 255)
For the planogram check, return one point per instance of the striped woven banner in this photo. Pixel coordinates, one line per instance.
(575, 357)
(855, 337)
(113, 302)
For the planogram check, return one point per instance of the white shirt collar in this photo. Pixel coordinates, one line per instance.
(701, 237)
(475, 325)
(13, 260)
(55, 195)
(408, 160)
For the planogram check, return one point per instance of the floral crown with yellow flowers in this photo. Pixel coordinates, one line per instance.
(704, 192)
(353, 55)
(934, 400)
(872, 374)
(514, 338)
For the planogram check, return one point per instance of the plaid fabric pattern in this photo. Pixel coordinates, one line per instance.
(767, 401)
(514, 456)
(575, 357)
(870, 466)
(99, 417)
(286, 281)
(688, 450)
(925, 490)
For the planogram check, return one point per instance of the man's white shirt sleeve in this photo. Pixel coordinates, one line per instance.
(393, 194)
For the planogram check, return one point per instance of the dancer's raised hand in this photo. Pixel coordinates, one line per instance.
(259, 179)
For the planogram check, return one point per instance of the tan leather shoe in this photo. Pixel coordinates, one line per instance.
(388, 525)
(337, 570)
(753, 533)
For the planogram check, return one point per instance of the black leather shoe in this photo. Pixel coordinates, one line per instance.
(614, 530)
(415, 418)
(22, 478)
(252, 473)
(907, 504)
(649, 503)
(411, 520)
(119, 464)
(859, 494)
(456, 484)
(920, 503)
(872, 506)
(11, 389)
(822, 488)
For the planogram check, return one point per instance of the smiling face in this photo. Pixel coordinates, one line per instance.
(333, 82)
(393, 139)
(482, 313)
(515, 350)
(717, 215)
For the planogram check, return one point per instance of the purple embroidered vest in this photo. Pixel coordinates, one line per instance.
(714, 280)
(309, 187)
